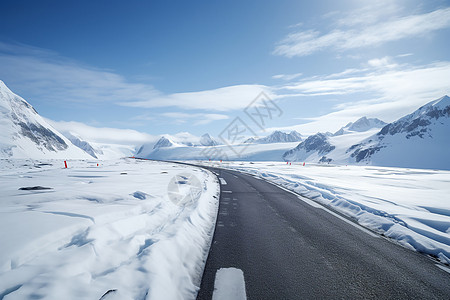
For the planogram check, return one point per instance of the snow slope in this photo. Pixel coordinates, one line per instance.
(121, 228)
(411, 206)
(25, 134)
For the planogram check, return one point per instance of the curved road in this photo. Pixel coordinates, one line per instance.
(289, 248)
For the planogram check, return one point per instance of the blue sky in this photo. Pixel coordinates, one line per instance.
(156, 67)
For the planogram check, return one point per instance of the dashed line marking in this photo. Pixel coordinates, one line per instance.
(222, 181)
(229, 284)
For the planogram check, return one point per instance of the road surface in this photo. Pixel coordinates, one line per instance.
(289, 249)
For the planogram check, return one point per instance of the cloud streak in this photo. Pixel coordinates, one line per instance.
(391, 82)
(198, 119)
(54, 78)
(104, 134)
(222, 99)
(351, 35)
(394, 90)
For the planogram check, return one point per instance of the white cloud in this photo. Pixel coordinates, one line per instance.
(373, 32)
(287, 77)
(384, 62)
(372, 12)
(395, 93)
(221, 99)
(55, 78)
(408, 81)
(199, 118)
(103, 134)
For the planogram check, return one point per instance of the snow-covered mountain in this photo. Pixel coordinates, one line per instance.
(277, 137)
(317, 144)
(82, 144)
(182, 140)
(188, 147)
(244, 152)
(420, 139)
(102, 151)
(163, 142)
(25, 134)
(207, 140)
(362, 124)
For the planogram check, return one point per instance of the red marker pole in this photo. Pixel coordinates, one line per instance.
(65, 164)
(303, 164)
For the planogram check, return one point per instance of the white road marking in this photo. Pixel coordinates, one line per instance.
(227, 192)
(222, 181)
(229, 285)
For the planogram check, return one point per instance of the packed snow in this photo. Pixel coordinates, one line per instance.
(122, 229)
(411, 206)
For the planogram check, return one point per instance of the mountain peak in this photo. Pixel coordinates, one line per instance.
(442, 102)
(163, 142)
(364, 124)
(4, 87)
(207, 140)
(280, 137)
(361, 125)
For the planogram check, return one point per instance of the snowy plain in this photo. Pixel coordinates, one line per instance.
(107, 231)
(410, 206)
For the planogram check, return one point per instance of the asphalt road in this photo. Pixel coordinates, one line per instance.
(289, 249)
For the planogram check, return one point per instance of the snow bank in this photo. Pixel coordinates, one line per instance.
(107, 231)
(411, 206)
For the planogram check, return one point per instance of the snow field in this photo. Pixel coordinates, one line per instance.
(411, 206)
(102, 228)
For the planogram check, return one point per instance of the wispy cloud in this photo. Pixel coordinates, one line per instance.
(55, 78)
(104, 134)
(221, 99)
(394, 92)
(196, 118)
(363, 32)
(370, 13)
(287, 77)
(398, 82)
(384, 62)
